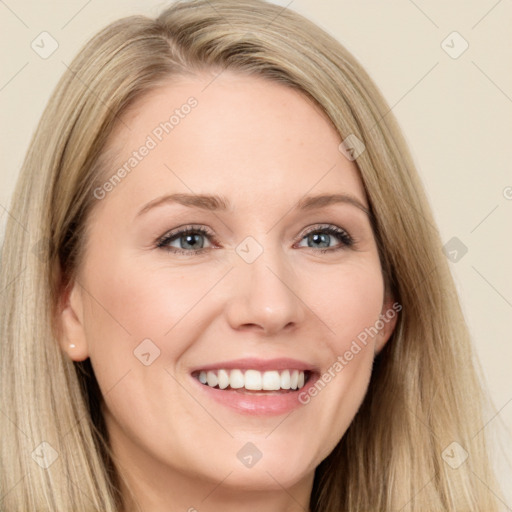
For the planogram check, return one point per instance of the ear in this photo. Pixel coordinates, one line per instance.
(70, 319)
(387, 322)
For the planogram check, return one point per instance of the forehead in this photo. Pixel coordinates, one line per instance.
(244, 136)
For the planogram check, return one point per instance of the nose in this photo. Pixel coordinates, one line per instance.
(264, 295)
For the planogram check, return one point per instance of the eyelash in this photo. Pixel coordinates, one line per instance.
(346, 240)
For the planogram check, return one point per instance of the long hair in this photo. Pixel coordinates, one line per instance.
(424, 392)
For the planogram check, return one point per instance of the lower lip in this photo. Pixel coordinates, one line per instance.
(258, 404)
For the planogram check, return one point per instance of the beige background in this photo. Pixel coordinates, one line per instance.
(456, 114)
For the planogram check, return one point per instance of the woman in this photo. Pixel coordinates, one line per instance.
(215, 300)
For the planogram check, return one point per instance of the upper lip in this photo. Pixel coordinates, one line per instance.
(250, 363)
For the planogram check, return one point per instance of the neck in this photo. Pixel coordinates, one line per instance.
(207, 497)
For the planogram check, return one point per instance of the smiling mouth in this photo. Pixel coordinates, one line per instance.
(254, 381)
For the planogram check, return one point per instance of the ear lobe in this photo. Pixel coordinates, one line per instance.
(72, 337)
(387, 322)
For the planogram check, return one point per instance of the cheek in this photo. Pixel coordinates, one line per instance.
(136, 302)
(139, 324)
(140, 317)
(348, 300)
(350, 305)
(133, 305)
(172, 307)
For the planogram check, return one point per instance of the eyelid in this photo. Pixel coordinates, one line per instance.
(324, 227)
(183, 230)
(175, 233)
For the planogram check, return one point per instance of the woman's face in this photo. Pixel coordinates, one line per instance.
(278, 277)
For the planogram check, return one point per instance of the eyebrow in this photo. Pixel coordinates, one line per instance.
(203, 201)
(320, 201)
(219, 203)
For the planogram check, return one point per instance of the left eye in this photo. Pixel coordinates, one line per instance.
(321, 238)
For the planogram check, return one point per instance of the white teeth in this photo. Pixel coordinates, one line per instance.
(223, 379)
(285, 379)
(294, 379)
(253, 380)
(271, 381)
(236, 379)
(211, 379)
(301, 380)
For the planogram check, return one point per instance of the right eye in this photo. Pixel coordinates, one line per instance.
(189, 240)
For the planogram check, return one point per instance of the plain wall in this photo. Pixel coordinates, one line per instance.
(456, 114)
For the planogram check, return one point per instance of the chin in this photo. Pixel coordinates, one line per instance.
(263, 465)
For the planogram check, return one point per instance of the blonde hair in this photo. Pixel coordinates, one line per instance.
(424, 393)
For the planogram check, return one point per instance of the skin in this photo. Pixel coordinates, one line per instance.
(263, 147)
